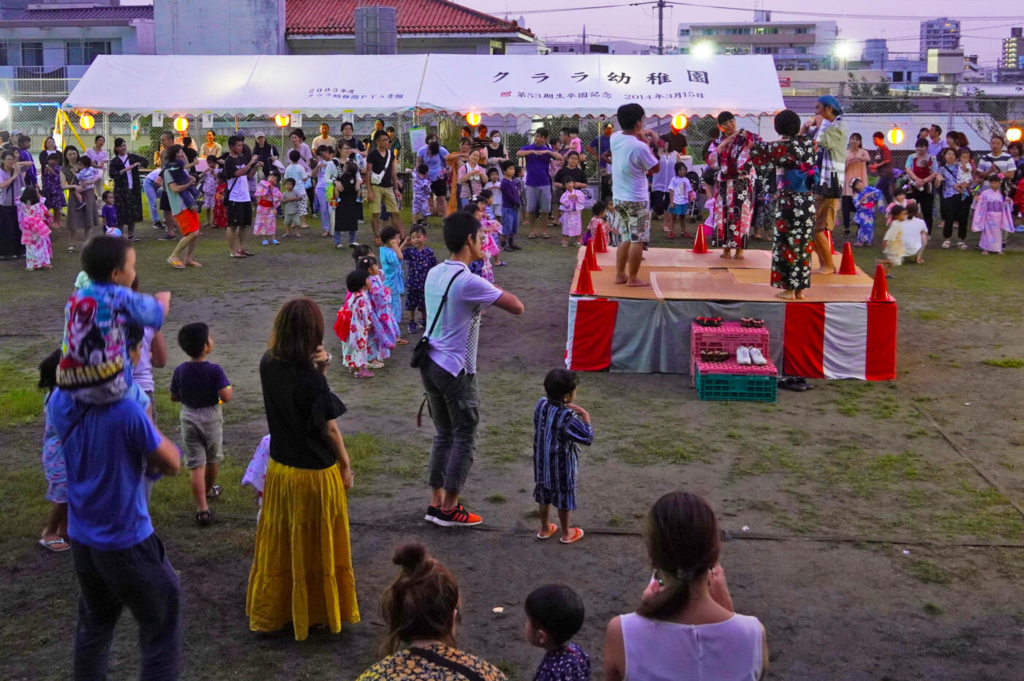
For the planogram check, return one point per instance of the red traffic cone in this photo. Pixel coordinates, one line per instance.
(591, 257)
(584, 284)
(699, 245)
(879, 292)
(831, 245)
(848, 266)
(602, 240)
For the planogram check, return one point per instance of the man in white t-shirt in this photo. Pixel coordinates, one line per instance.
(449, 370)
(237, 170)
(632, 162)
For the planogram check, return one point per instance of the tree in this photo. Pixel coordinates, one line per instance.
(868, 97)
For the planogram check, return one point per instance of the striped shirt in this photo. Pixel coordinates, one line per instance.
(558, 434)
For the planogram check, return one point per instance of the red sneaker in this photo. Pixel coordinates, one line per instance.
(457, 517)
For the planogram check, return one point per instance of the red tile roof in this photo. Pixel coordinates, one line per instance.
(337, 17)
(124, 13)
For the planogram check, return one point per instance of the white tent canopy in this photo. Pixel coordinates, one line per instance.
(520, 85)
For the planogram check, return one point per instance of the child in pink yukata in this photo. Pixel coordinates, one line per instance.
(992, 216)
(355, 336)
(571, 204)
(384, 335)
(268, 198)
(35, 222)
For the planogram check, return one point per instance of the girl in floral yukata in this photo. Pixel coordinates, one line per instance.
(734, 188)
(35, 222)
(268, 198)
(571, 204)
(793, 158)
(419, 259)
(866, 199)
(358, 310)
(385, 326)
(391, 245)
(991, 216)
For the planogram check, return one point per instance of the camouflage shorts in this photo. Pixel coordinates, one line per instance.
(634, 220)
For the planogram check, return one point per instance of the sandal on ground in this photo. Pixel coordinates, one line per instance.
(193, 263)
(204, 518)
(552, 528)
(71, 249)
(176, 264)
(531, 236)
(401, 341)
(59, 545)
(546, 236)
(946, 244)
(247, 253)
(363, 373)
(214, 492)
(376, 365)
(575, 536)
(236, 255)
(963, 246)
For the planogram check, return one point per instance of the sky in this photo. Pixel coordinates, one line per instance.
(982, 36)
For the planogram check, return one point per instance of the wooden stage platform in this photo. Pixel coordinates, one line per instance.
(679, 274)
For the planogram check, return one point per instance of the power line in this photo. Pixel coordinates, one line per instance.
(872, 17)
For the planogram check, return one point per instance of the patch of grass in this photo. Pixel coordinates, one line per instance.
(20, 401)
(866, 476)
(930, 315)
(772, 458)
(916, 433)
(655, 446)
(886, 407)
(1005, 363)
(932, 609)
(733, 435)
(615, 521)
(928, 571)
(980, 512)
(509, 669)
(495, 498)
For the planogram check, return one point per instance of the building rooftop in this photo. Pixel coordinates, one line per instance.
(78, 14)
(337, 17)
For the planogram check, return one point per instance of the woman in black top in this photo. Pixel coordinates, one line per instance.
(304, 519)
(496, 151)
(572, 171)
(348, 211)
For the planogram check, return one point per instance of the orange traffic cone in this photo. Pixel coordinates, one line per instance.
(879, 292)
(831, 245)
(584, 284)
(699, 245)
(591, 257)
(848, 266)
(602, 240)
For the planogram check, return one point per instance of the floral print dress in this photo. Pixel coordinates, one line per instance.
(385, 326)
(419, 262)
(794, 208)
(734, 191)
(52, 191)
(356, 348)
(34, 221)
(866, 202)
(268, 198)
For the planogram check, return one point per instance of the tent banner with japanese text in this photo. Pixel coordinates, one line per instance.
(596, 85)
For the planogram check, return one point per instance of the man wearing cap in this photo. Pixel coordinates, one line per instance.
(829, 134)
(603, 151)
(734, 185)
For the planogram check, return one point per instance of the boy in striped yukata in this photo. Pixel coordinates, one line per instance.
(560, 427)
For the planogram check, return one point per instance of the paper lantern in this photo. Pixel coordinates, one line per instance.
(282, 121)
(679, 122)
(473, 119)
(895, 135)
(86, 121)
(181, 124)
(1014, 134)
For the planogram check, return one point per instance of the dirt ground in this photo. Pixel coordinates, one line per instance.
(860, 530)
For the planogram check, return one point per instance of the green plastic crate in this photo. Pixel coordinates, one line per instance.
(737, 388)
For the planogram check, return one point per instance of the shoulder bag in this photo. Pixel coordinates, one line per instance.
(419, 353)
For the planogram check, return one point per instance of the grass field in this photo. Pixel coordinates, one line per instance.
(872, 525)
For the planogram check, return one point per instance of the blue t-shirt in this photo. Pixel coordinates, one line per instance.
(198, 384)
(601, 145)
(435, 164)
(105, 450)
(538, 165)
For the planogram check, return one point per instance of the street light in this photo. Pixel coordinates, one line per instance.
(703, 50)
(844, 50)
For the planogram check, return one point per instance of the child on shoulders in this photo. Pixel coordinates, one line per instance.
(554, 614)
(201, 386)
(93, 352)
(560, 427)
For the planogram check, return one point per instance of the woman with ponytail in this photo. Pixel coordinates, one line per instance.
(685, 627)
(421, 611)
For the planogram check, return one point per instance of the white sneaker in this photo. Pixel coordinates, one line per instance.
(757, 358)
(742, 355)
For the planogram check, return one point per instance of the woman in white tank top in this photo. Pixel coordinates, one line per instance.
(685, 628)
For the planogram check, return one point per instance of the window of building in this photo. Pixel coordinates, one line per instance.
(82, 53)
(762, 30)
(3, 55)
(765, 50)
(801, 30)
(684, 31)
(684, 50)
(708, 31)
(31, 54)
(801, 50)
(897, 76)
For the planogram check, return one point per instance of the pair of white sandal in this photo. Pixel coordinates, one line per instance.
(747, 356)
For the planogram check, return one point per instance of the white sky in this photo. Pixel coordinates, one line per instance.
(980, 36)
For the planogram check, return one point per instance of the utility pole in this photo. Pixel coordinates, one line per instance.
(661, 26)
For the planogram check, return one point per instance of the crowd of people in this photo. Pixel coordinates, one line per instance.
(103, 453)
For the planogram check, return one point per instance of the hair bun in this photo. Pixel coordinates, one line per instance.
(410, 556)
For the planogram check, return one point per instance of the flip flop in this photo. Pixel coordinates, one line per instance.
(52, 545)
(552, 528)
(577, 534)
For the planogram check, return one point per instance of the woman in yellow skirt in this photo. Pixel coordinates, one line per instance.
(302, 568)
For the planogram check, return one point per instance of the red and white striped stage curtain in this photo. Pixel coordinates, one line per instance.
(840, 340)
(591, 327)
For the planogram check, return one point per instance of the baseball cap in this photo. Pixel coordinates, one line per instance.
(260, 133)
